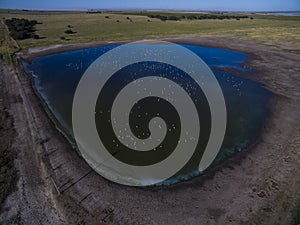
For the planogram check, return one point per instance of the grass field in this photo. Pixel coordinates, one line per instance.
(96, 27)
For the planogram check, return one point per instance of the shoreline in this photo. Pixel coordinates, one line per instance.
(198, 200)
(34, 53)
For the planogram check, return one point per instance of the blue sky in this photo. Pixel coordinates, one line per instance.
(218, 5)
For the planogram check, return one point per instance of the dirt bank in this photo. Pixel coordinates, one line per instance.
(257, 186)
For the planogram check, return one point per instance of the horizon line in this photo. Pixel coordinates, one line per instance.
(154, 9)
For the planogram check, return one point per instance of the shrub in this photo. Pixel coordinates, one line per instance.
(173, 18)
(35, 36)
(162, 18)
(69, 31)
(19, 35)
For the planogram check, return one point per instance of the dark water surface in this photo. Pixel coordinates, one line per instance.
(56, 77)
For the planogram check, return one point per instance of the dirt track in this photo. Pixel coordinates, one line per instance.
(257, 186)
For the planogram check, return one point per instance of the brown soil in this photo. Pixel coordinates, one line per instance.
(260, 185)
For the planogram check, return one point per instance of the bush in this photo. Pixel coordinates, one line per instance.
(19, 35)
(69, 31)
(191, 17)
(173, 18)
(33, 22)
(162, 18)
(35, 36)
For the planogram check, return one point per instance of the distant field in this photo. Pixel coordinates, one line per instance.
(96, 27)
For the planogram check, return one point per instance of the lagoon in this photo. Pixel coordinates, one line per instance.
(55, 78)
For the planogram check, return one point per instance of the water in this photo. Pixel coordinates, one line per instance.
(289, 14)
(56, 77)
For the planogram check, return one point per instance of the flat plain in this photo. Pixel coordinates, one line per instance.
(105, 26)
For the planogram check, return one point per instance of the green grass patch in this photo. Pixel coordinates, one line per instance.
(105, 26)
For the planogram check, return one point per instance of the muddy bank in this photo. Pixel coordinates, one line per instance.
(237, 192)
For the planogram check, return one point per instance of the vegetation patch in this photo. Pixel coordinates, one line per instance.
(69, 31)
(21, 28)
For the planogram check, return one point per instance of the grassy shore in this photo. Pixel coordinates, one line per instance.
(137, 25)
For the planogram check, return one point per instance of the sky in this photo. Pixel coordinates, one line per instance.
(194, 5)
